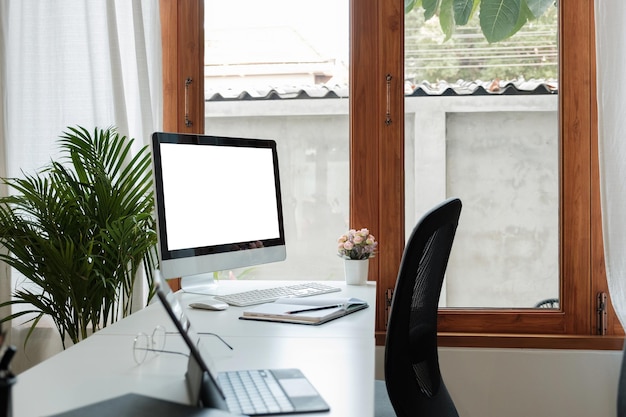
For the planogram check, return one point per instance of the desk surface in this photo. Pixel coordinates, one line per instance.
(337, 357)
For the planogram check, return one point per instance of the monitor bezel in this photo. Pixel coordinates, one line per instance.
(207, 259)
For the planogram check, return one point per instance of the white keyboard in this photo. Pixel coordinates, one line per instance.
(253, 393)
(268, 295)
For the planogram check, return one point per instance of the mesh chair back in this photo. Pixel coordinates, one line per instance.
(412, 373)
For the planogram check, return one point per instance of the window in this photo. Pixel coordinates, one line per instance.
(267, 49)
(376, 169)
(481, 124)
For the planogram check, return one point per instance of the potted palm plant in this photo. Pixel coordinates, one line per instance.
(80, 230)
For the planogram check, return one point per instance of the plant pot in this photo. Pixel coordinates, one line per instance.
(356, 271)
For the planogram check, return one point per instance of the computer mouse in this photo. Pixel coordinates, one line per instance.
(209, 305)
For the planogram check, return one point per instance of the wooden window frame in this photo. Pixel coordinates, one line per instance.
(377, 168)
(583, 275)
(182, 38)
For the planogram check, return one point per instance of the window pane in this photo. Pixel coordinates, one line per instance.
(482, 125)
(270, 72)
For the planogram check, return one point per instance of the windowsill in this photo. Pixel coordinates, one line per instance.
(525, 341)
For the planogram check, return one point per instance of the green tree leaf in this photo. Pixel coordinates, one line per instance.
(524, 16)
(538, 7)
(411, 4)
(431, 7)
(446, 18)
(463, 10)
(499, 18)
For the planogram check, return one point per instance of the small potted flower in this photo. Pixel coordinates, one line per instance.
(356, 247)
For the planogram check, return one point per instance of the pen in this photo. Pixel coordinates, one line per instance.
(314, 309)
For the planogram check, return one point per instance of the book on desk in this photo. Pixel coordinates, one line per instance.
(312, 311)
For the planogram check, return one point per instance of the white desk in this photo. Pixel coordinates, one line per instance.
(337, 357)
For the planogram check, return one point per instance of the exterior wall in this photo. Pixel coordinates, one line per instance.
(312, 138)
(499, 154)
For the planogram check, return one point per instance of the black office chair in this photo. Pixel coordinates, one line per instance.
(548, 303)
(413, 385)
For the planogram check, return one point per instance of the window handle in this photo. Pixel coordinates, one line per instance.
(388, 113)
(188, 122)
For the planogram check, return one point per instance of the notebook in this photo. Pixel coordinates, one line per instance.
(313, 311)
(282, 391)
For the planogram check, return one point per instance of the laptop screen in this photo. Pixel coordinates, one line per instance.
(292, 394)
(200, 369)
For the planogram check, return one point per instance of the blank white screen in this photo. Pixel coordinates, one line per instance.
(218, 195)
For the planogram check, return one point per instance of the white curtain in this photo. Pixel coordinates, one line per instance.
(610, 18)
(74, 62)
(5, 277)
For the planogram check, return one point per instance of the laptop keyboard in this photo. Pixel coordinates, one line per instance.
(268, 295)
(253, 392)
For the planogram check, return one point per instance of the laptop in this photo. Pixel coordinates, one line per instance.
(279, 391)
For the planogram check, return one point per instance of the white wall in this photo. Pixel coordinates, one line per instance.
(528, 382)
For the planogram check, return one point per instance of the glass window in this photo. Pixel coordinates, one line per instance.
(377, 174)
(260, 60)
(481, 124)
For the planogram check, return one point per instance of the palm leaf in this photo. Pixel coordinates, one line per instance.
(80, 229)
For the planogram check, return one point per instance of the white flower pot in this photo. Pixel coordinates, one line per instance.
(356, 271)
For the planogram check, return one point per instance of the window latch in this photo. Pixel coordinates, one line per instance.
(388, 298)
(601, 313)
(188, 122)
(388, 112)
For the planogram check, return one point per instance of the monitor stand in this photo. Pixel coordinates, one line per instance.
(204, 284)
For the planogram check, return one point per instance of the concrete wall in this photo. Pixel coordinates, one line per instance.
(499, 154)
(313, 152)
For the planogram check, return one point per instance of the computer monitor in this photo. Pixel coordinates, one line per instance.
(218, 206)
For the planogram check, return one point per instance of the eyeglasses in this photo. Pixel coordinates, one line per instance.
(148, 343)
(154, 344)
